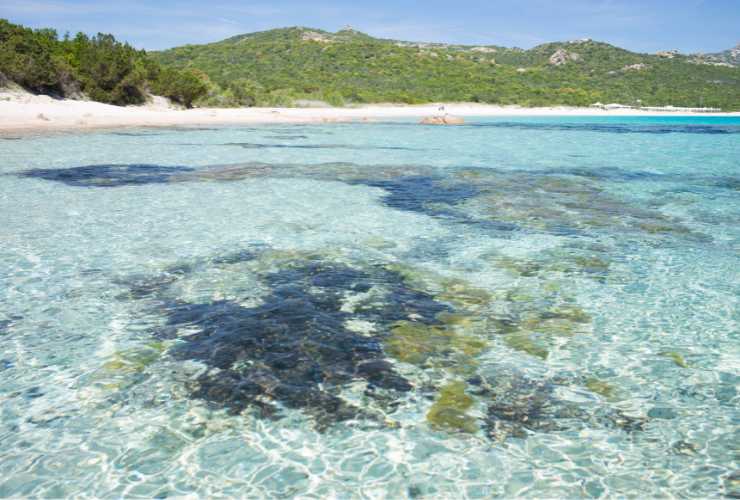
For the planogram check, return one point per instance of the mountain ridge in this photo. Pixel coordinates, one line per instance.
(349, 66)
(348, 33)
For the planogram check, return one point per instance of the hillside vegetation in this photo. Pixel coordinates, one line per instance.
(97, 67)
(276, 66)
(280, 67)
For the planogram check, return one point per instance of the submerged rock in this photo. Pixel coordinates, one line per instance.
(527, 342)
(519, 405)
(417, 343)
(449, 410)
(600, 387)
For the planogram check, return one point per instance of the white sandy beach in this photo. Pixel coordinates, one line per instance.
(23, 112)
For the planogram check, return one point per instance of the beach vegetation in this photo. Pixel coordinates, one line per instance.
(96, 67)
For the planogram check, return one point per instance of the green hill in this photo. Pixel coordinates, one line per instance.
(281, 65)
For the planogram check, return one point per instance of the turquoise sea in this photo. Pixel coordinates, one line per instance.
(539, 307)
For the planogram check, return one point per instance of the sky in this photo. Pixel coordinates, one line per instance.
(638, 25)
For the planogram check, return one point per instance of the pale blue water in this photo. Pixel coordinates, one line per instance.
(536, 307)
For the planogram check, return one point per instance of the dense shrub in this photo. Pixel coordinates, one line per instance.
(108, 70)
(183, 86)
(99, 67)
(246, 92)
(30, 58)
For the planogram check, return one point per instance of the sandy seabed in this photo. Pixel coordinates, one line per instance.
(22, 112)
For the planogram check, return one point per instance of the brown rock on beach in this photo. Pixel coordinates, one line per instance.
(442, 120)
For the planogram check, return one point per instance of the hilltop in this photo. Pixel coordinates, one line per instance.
(730, 57)
(281, 65)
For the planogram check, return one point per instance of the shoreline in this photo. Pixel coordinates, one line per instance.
(26, 113)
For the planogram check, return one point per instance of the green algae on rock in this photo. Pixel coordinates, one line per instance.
(676, 357)
(531, 329)
(550, 263)
(527, 342)
(135, 360)
(461, 294)
(449, 409)
(600, 387)
(417, 343)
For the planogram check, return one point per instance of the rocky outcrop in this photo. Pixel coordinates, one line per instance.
(667, 54)
(442, 120)
(635, 67)
(729, 57)
(562, 56)
(315, 36)
(711, 63)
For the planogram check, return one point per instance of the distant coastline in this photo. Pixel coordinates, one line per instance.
(22, 112)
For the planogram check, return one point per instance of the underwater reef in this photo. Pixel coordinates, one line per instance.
(108, 175)
(342, 340)
(558, 202)
(345, 341)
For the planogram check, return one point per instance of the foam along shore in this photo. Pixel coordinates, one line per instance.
(20, 111)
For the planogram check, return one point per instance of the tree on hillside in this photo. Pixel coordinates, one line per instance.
(30, 58)
(110, 71)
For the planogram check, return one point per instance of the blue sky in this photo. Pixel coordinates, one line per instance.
(640, 25)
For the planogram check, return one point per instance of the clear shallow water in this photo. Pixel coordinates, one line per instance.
(519, 307)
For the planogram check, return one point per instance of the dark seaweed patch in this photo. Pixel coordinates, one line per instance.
(236, 257)
(732, 183)
(7, 324)
(148, 286)
(189, 129)
(301, 347)
(295, 349)
(252, 145)
(614, 128)
(134, 134)
(521, 405)
(423, 194)
(107, 175)
(624, 175)
(610, 174)
(286, 137)
(433, 196)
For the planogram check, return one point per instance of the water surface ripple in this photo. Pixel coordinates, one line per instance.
(540, 307)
